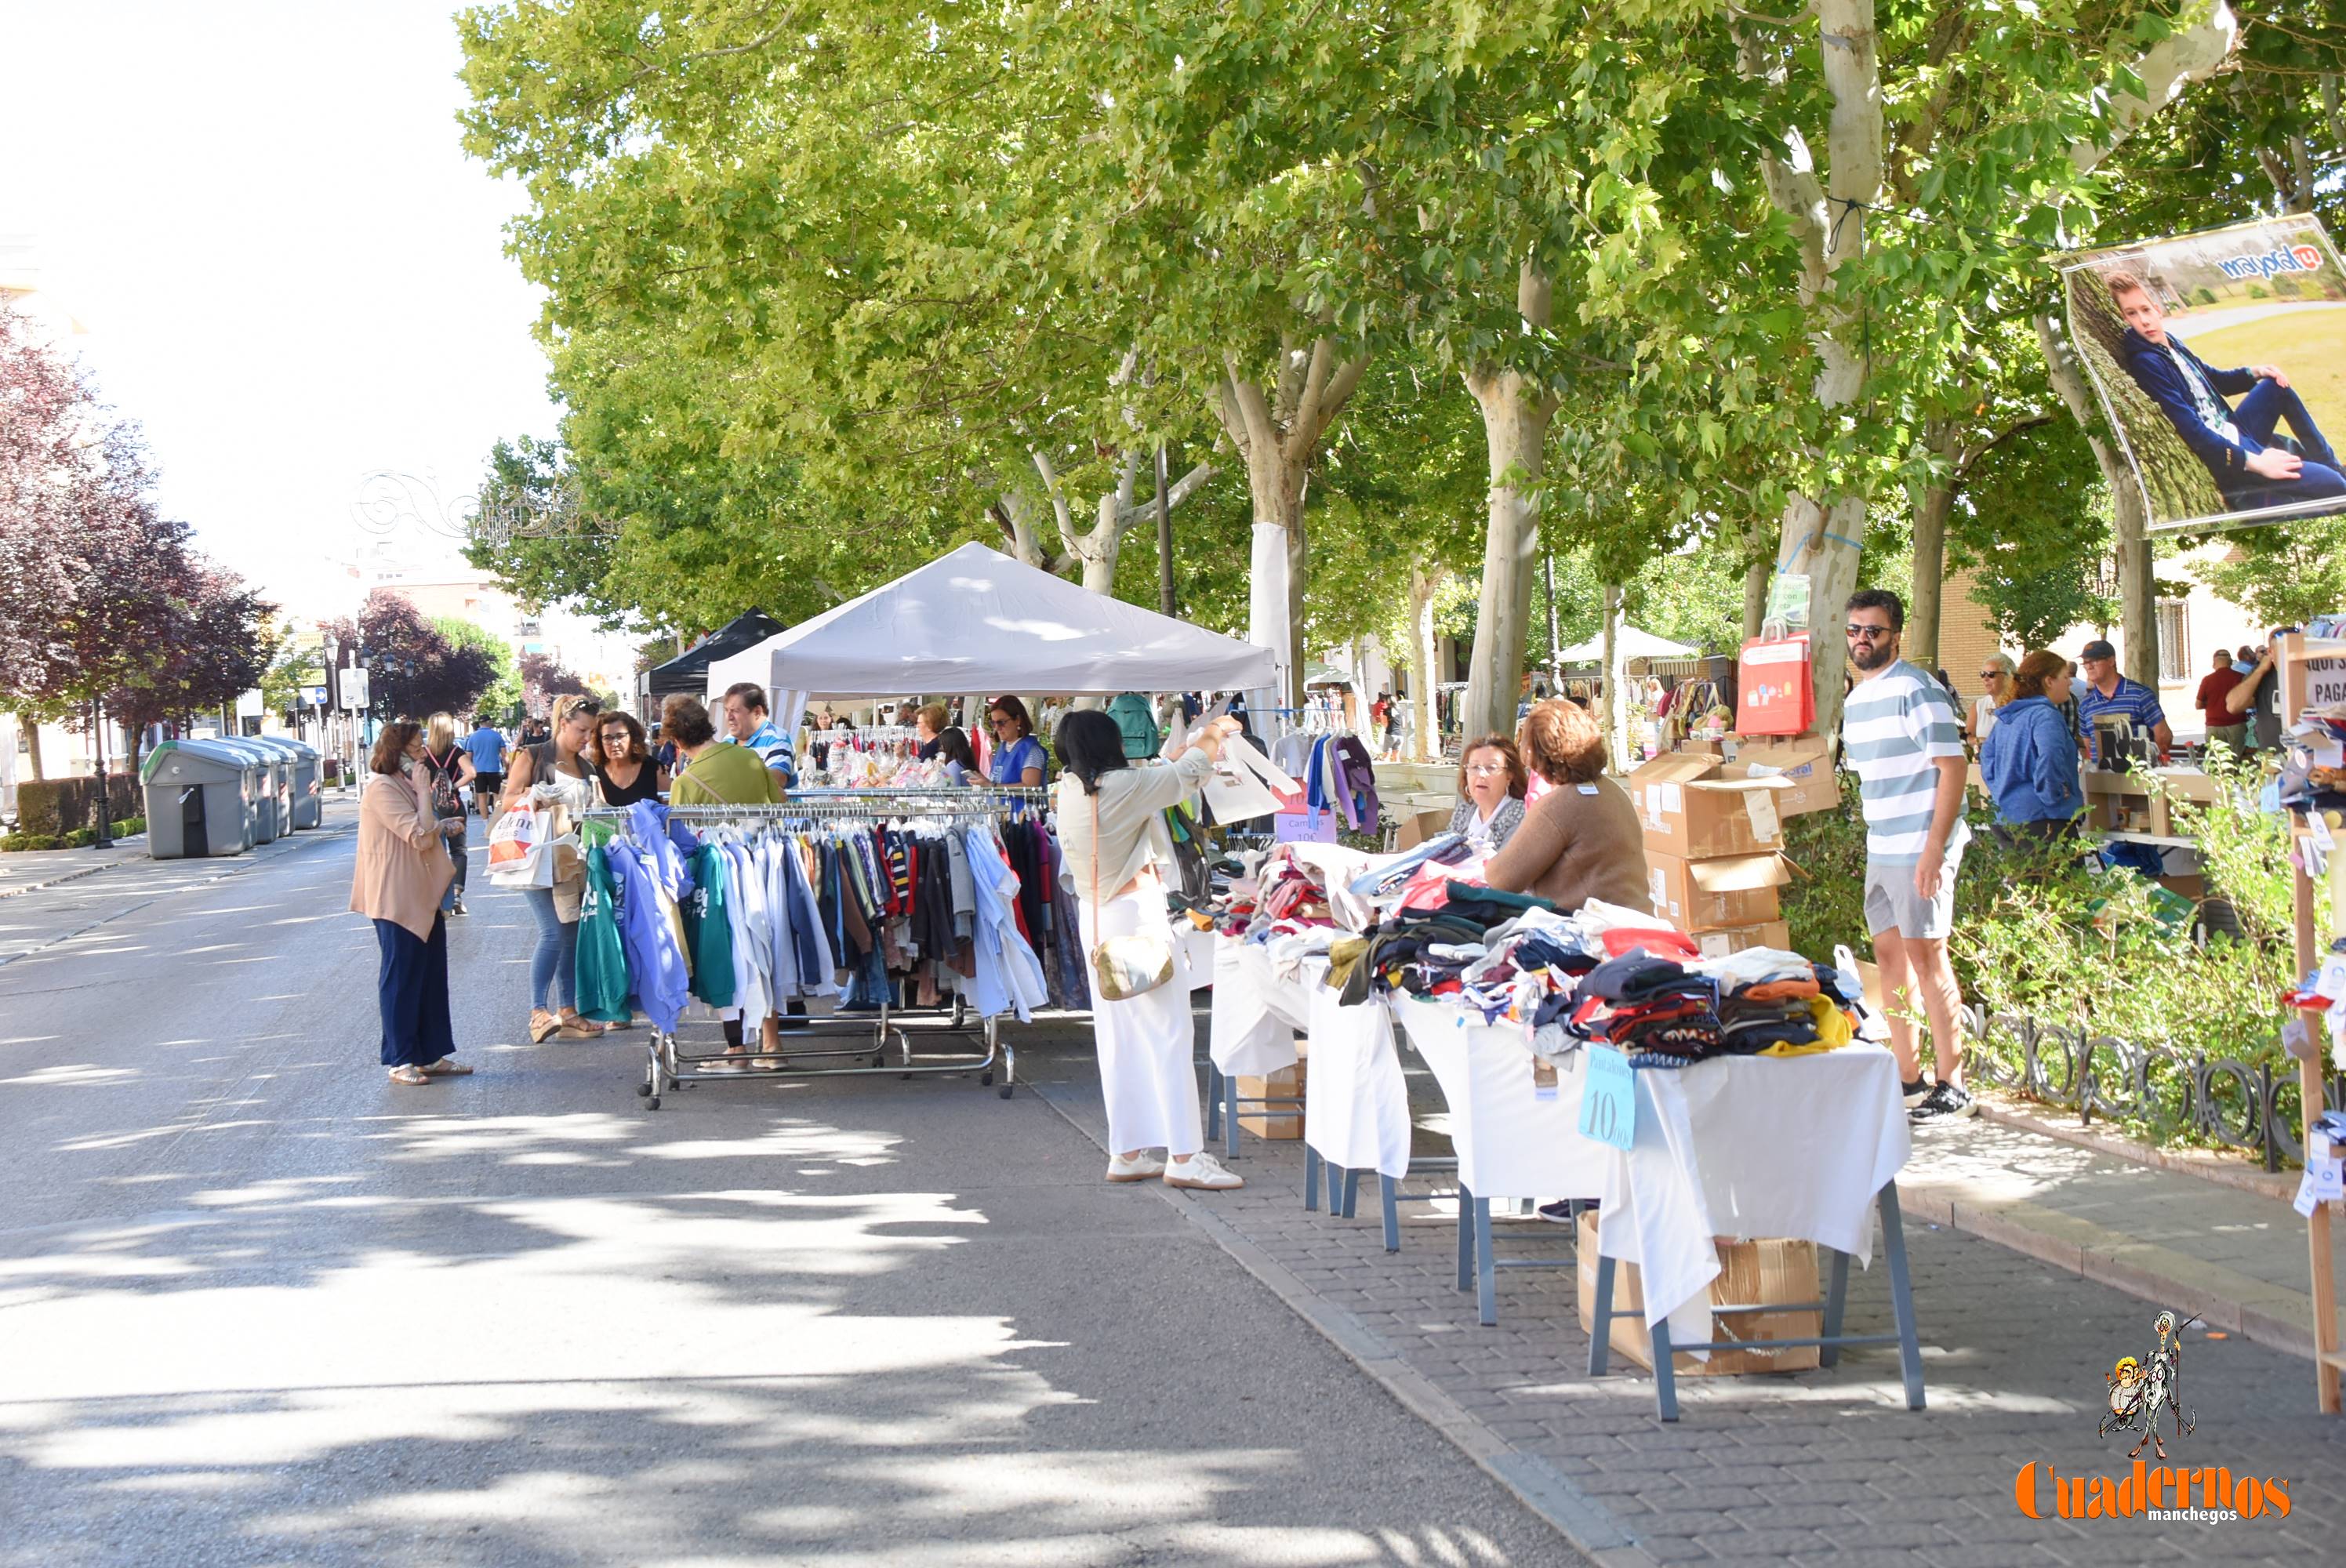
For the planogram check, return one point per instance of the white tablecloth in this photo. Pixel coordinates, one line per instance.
(1738, 1146)
(1255, 1013)
(1197, 947)
(1356, 1103)
(1510, 1143)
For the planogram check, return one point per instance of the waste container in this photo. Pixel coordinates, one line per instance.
(268, 785)
(284, 763)
(309, 805)
(198, 798)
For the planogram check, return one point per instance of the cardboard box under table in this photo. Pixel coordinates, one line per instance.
(1767, 1273)
(1716, 894)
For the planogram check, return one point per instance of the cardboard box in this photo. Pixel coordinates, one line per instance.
(1709, 895)
(1697, 808)
(2312, 674)
(1750, 1272)
(1422, 818)
(1772, 933)
(1273, 1122)
(1802, 760)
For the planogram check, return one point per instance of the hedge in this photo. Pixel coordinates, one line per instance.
(53, 807)
(79, 839)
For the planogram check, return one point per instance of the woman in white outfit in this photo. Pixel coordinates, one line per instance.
(1113, 835)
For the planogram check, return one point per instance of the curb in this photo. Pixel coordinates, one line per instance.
(72, 876)
(1586, 1523)
(2027, 1117)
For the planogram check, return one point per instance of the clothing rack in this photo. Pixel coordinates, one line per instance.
(669, 1065)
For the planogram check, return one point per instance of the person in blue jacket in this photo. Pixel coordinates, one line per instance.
(2029, 761)
(2251, 467)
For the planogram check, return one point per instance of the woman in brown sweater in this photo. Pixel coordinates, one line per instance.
(402, 874)
(1580, 841)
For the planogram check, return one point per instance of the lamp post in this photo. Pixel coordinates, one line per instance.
(97, 730)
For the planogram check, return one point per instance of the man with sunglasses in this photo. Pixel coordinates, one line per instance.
(1906, 746)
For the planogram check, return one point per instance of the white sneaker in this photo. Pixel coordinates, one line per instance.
(1203, 1171)
(1142, 1167)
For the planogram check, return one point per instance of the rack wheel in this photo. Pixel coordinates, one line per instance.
(643, 1091)
(879, 1058)
(1004, 1091)
(652, 1103)
(986, 1078)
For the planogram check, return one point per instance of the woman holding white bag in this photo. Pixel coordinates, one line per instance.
(557, 777)
(1113, 837)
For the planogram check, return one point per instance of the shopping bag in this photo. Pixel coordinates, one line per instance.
(519, 850)
(1773, 692)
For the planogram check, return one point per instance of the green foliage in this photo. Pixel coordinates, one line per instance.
(2034, 519)
(501, 698)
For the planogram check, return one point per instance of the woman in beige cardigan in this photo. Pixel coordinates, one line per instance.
(403, 872)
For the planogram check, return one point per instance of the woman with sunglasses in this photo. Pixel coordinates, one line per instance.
(1017, 755)
(1996, 675)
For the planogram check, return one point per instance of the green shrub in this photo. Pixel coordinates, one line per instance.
(16, 842)
(52, 808)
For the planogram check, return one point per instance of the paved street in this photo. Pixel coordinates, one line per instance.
(261, 1307)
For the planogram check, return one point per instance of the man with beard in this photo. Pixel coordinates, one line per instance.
(1905, 743)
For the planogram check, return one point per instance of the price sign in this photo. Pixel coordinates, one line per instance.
(1608, 1101)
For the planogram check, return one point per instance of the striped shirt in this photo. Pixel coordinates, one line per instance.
(773, 749)
(2132, 698)
(1894, 726)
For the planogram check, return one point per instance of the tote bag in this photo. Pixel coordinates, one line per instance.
(520, 853)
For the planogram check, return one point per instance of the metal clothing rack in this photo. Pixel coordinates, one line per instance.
(669, 1066)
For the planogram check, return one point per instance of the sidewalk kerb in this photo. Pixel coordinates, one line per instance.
(1584, 1522)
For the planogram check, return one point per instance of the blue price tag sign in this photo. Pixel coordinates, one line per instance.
(1608, 1101)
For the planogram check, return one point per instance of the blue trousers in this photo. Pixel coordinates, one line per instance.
(411, 994)
(553, 964)
(2268, 406)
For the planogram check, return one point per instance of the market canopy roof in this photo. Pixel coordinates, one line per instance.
(976, 620)
(1631, 644)
(688, 671)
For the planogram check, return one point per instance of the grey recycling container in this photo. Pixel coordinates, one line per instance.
(287, 764)
(199, 800)
(309, 805)
(268, 786)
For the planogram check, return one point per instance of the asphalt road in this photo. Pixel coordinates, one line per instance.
(260, 1305)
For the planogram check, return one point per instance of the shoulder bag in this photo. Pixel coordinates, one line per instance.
(1124, 967)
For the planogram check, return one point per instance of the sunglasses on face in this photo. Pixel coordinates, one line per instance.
(1991, 674)
(1866, 634)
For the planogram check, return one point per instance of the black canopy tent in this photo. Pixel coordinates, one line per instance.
(688, 671)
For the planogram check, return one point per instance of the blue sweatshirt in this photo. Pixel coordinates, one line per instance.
(2029, 762)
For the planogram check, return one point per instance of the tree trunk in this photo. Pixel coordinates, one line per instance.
(1615, 710)
(1926, 615)
(1422, 587)
(1823, 535)
(1516, 415)
(32, 728)
(1755, 597)
(2129, 526)
(1278, 433)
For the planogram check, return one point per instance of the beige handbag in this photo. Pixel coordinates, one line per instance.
(1124, 967)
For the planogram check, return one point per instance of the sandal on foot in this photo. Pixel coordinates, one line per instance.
(542, 1024)
(446, 1067)
(407, 1076)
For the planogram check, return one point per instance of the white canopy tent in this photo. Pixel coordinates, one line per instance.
(976, 620)
(1631, 644)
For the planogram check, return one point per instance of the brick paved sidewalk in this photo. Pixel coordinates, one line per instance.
(1816, 1467)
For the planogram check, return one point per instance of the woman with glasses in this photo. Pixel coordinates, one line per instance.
(1996, 675)
(625, 771)
(2030, 763)
(1017, 755)
(1491, 785)
(1581, 840)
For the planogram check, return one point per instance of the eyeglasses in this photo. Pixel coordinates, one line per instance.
(1866, 634)
(1484, 770)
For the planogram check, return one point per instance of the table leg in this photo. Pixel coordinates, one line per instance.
(1351, 1192)
(1213, 1101)
(1392, 1212)
(1230, 1115)
(1666, 1374)
(1836, 1298)
(1310, 1180)
(1902, 1296)
(1600, 1330)
(1465, 1240)
(1486, 1270)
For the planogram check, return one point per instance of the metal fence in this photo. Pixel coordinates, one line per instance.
(2222, 1100)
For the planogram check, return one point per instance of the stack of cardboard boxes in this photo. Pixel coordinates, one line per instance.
(1714, 835)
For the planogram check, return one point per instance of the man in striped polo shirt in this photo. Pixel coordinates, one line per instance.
(1905, 743)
